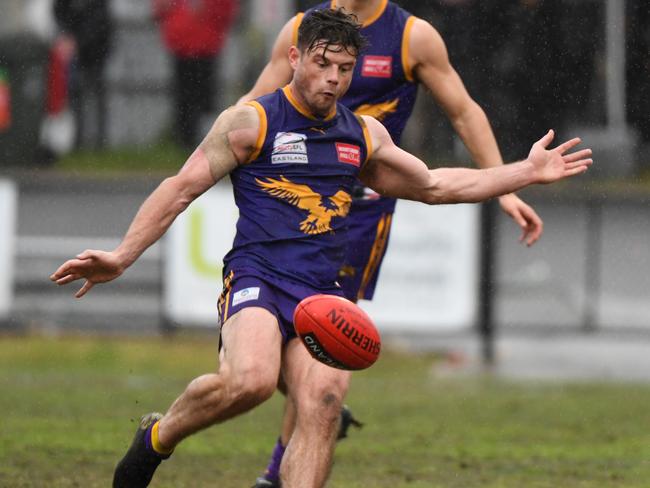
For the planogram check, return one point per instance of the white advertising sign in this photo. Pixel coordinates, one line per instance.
(8, 205)
(428, 281)
(194, 250)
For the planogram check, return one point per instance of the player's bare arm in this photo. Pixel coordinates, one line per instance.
(229, 142)
(431, 66)
(277, 71)
(391, 171)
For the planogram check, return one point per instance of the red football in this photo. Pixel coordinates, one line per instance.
(337, 332)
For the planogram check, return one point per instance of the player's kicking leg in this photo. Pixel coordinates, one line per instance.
(247, 376)
(271, 476)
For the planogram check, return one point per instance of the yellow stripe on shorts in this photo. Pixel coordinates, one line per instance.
(224, 298)
(377, 251)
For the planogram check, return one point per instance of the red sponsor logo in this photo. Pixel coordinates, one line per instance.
(348, 153)
(377, 66)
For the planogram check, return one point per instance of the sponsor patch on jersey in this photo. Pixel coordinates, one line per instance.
(289, 148)
(245, 295)
(348, 153)
(377, 66)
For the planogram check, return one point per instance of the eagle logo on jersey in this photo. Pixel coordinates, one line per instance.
(378, 110)
(321, 210)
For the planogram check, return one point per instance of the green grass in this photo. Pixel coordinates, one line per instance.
(162, 157)
(70, 405)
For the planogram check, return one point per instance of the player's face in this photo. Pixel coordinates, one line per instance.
(322, 76)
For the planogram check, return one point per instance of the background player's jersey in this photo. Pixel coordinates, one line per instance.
(383, 84)
(294, 194)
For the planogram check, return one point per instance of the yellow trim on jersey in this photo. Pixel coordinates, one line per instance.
(366, 136)
(377, 14)
(296, 26)
(224, 299)
(406, 37)
(304, 111)
(373, 17)
(378, 247)
(261, 135)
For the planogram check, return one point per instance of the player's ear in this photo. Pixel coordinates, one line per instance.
(294, 57)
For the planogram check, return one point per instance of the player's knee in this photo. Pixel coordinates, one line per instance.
(320, 413)
(252, 387)
(324, 399)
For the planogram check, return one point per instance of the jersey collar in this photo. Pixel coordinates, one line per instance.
(302, 109)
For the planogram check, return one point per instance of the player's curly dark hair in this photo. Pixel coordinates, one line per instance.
(331, 29)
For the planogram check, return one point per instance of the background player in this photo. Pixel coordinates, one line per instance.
(291, 232)
(403, 52)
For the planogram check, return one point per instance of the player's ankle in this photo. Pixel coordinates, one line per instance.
(153, 442)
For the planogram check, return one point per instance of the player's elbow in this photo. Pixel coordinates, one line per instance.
(450, 195)
(437, 191)
(434, 196)
(451, 185)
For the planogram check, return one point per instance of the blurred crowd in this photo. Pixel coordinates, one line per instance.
(194, 32)
(532, 64)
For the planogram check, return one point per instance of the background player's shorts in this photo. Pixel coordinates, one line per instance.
(368, 233)
(251, 287)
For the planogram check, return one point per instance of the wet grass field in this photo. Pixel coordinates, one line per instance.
(70, 406)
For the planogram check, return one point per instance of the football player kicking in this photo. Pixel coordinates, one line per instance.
(403, 52)
(293, 158)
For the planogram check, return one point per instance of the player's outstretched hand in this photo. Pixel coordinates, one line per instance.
(554, 164)
(93, 266)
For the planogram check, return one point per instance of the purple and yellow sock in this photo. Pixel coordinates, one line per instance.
(153, 443)
(272, 472)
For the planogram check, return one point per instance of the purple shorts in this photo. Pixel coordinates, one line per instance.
(251, 287)
(368, 233)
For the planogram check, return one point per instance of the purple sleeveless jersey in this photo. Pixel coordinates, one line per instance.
(295, 193)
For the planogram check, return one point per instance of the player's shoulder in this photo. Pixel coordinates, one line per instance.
(425, 42)
(376, 131)
(241, 123)
(370, 121)
(238, 130)
(242, 115)
(423, 30)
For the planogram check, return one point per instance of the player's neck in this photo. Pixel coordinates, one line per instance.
(302, 105)
(363, 9)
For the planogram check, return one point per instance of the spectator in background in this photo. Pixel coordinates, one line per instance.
(87, 24)
(194, 32)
